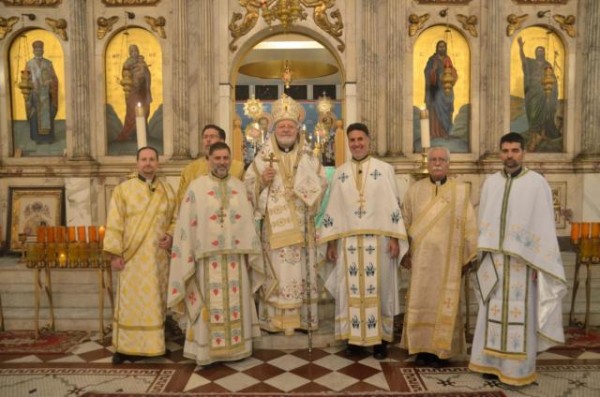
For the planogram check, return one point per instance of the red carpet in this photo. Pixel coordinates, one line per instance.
(324, 394)
(578, 338)
(24, 342)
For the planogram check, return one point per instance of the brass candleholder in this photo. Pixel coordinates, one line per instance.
(422, 171)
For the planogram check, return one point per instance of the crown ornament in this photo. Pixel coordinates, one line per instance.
(285, 108)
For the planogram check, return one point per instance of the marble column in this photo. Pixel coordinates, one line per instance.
(79, 113)
(181, 132)
(368, 87)
(207, 76)
(396, 42)
(492, 82)
(590, 97)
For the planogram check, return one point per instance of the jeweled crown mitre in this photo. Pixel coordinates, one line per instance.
(286, 108)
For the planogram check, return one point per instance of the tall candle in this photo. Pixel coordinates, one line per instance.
(71, 234)
(425, 141)
(585, 230)
(595, 229)
(41, 234)
(81, 234)
(140, 126)
(575, 232)
(101, 231)
(92, 234)
(50, 234)
(60, 234)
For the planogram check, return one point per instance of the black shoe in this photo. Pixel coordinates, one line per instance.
(120, 358)
(380, 351)
(353, 350)
(490, 376)
(425, 359)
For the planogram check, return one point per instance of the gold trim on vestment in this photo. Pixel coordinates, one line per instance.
(503, 378)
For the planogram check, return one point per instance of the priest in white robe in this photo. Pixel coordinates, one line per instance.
(365, 234)
(521, 277)
(216, 266)
(286, 182)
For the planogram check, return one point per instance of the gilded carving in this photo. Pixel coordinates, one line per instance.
(6, 25)
(287, 12)
(416, 23)
(541, 1)
(322, 20)
(130, 2)
(566, 23)
(248, 22)
(454, 2)
(157, 25)
(514, 23)
(40, 3)
(59, 27)
(469, 23)
(105, 25)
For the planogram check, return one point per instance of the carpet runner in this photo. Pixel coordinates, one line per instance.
(24, 342)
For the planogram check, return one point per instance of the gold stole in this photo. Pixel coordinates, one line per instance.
(142, 226)
(449, 297)
(283, 225)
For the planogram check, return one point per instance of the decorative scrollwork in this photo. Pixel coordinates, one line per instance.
(157, 25)
(6, 25)
(105, 25)
(566, 23)
(416, 23)
(514, 23)
(469, 23)
(115, 3)
(59, 26)
(39, 3)
(287, 12)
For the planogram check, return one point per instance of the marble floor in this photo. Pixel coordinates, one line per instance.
(562, 372)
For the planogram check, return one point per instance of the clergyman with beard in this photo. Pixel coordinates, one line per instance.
(216, 265)
(286, 182)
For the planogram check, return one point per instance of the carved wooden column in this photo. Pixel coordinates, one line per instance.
(396, 42)
(590, 100)
(80, 88)
(368, 87)
(491, 126)
(181, 131)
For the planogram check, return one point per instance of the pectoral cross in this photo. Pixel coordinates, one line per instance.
(271, 159)
(361, 204)
(221, 215)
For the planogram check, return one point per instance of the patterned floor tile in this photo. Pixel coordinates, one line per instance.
(288, 362)
(264, 371)
(236, 381)
(287, 381)
(336, 381)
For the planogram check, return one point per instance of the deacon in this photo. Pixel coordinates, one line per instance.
(210, 134)
(364, 232)
(442, 230)
(285, 182)
(521, 276)
(139, 227)
(215, 253)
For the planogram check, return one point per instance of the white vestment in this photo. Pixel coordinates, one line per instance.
(363, 213)
(521, 277)
(215, 267)
(286, 209)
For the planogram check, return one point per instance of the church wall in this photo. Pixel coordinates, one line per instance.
(198, 68)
